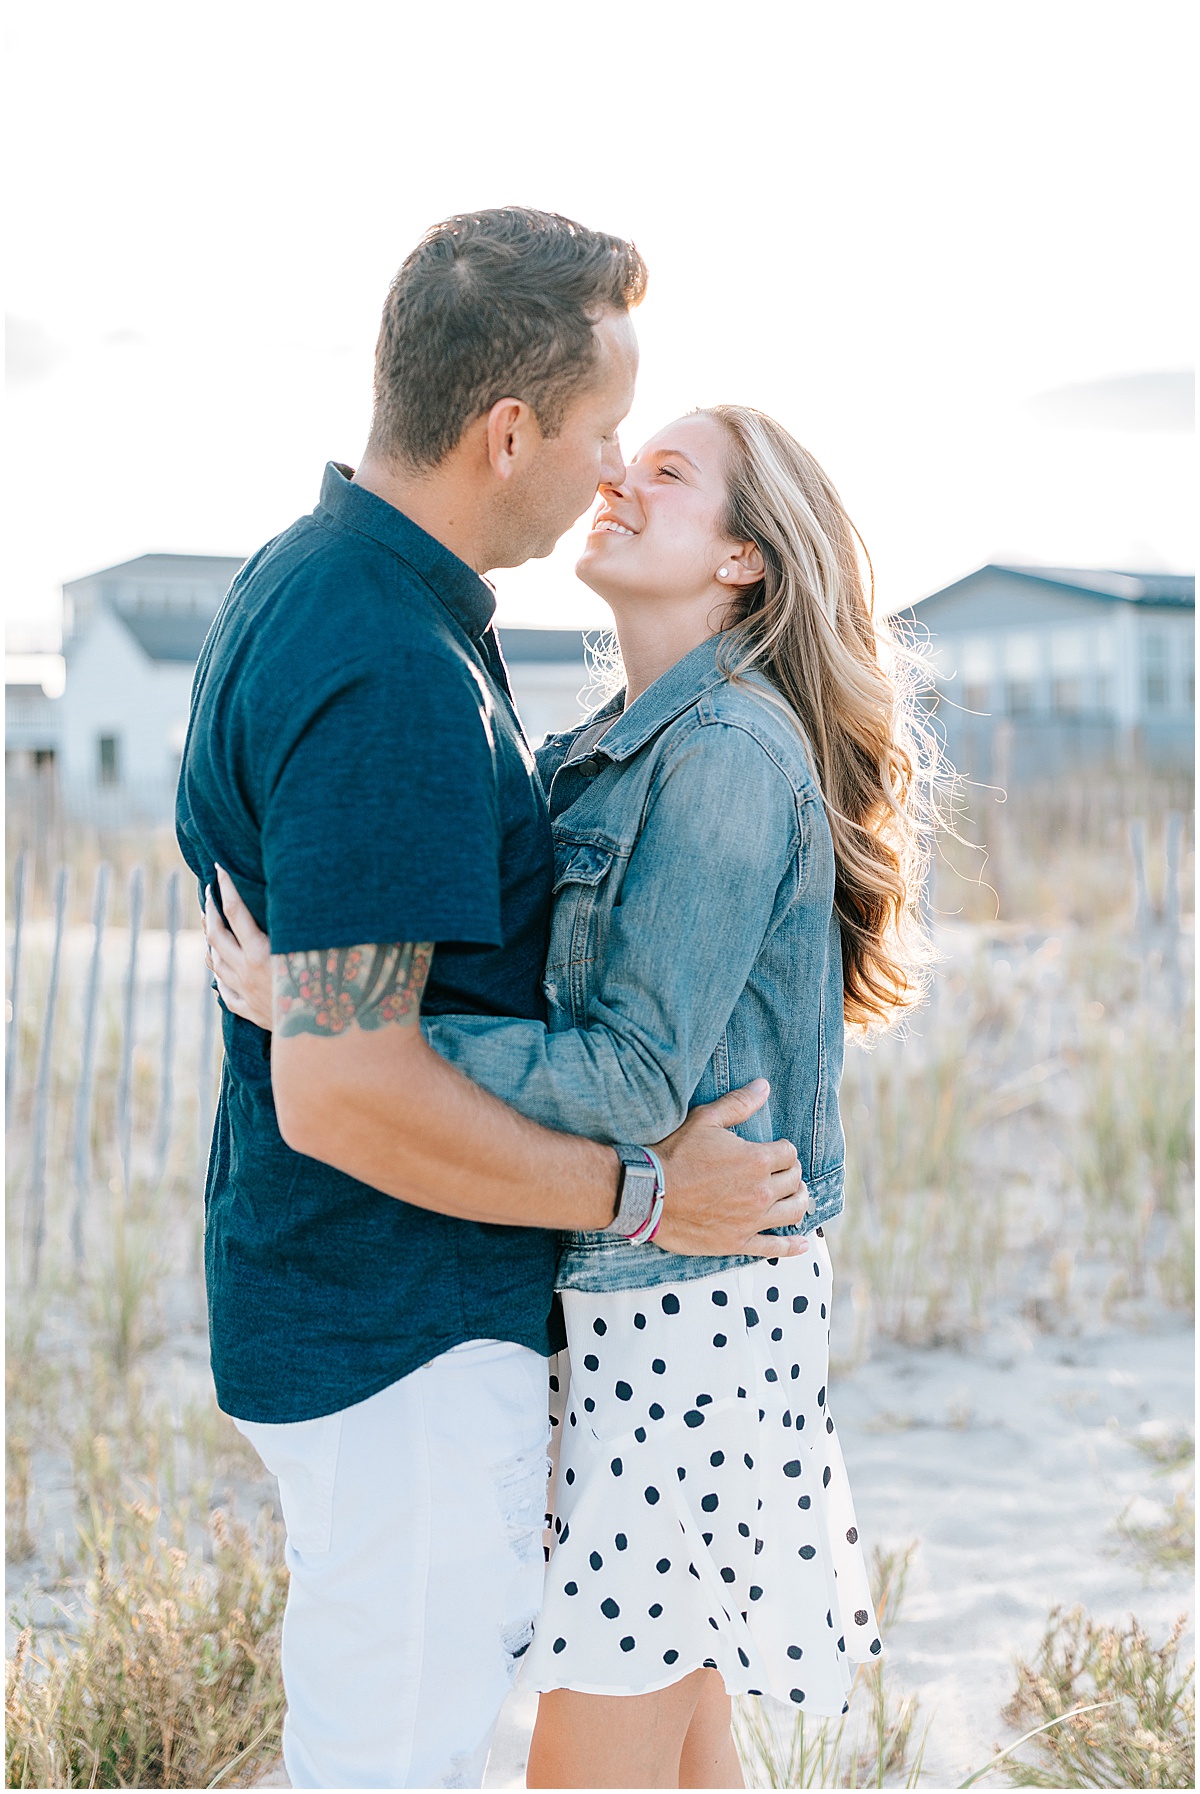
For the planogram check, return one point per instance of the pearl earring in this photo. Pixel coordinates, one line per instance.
(722, 572)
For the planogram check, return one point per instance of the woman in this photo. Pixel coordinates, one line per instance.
(737, 841)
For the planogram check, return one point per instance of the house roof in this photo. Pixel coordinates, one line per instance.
(546, 645)
(167, 635)
(213, 567)
(178, 636)
(1176, 590)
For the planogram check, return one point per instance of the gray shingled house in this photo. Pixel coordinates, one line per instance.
(1084, 667)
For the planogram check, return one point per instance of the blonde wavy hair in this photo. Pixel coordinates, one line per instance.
(851, 684)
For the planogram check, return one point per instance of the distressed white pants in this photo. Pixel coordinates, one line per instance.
(414, 1541)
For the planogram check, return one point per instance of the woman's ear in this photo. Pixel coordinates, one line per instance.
(746, 565)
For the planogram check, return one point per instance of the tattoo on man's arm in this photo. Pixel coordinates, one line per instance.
(331, 991)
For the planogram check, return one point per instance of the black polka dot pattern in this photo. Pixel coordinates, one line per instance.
(689, 1468)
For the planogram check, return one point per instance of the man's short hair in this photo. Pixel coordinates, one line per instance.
(493, 305)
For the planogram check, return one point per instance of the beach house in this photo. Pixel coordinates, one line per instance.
(131, 637)
(1044, 671)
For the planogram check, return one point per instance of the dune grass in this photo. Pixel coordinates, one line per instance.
(1142, 1731)
(1033, 1130)
(1168, 1448)
(874, 1741)
(1030, 1144)
(170, 1676)
(1165, 1543)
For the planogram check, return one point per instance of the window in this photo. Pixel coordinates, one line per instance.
(1104, 694)
(1068, 651)
(1022, 657)
(108, 750)
(1068, 696)
(1154, 672)
(976, 660)
(1020, 697)
(975, 697)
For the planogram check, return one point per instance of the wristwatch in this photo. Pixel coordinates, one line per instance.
(640, 1203)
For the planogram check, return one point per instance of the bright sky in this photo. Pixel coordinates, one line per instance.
(898, 227)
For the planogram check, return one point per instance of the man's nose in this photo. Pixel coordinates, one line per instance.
(612, 466)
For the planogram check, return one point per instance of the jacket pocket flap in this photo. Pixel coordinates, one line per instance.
(586, 865)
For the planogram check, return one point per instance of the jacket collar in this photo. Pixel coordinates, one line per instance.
(468, 598)
(672, 693)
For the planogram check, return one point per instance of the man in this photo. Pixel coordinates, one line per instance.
(378, 1254)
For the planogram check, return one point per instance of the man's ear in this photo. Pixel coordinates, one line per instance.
(511, 434)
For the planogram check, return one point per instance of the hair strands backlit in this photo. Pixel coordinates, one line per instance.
(852, 686)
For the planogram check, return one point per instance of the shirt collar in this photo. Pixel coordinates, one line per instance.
(468, 598)
(673, 692)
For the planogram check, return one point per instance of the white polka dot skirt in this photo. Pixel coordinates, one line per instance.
(701, 1512)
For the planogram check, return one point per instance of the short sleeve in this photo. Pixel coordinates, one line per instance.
(382, 821)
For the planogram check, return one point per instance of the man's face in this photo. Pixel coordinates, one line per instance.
(564, 476)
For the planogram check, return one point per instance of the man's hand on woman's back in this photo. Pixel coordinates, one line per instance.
(722, 1191)
(429, 1136)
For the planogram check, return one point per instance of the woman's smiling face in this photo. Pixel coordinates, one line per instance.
(658, 534)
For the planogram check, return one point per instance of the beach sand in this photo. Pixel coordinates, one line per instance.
(1009, 1465)
(1008, 1458)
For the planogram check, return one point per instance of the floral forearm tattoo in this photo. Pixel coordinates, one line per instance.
(332, 991)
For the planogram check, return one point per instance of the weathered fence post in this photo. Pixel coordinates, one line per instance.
(87, 1064)
(137, 880)
(43, 1092)
(12, 1040)
(1171, 888)
(999, 827)
(166, 1086)
(1170, 912)
(1142, 914)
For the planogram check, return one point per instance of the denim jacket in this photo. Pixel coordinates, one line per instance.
(693, 945)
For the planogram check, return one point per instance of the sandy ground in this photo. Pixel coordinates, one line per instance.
(1009, 1462)
(1010, 1465)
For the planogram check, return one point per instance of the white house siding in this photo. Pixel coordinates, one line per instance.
(547, 695)
(115, 690)
(1165, 665)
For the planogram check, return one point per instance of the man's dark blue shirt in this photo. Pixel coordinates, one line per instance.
(355, 763)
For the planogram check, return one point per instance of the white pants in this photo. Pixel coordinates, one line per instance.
(414, 1541)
